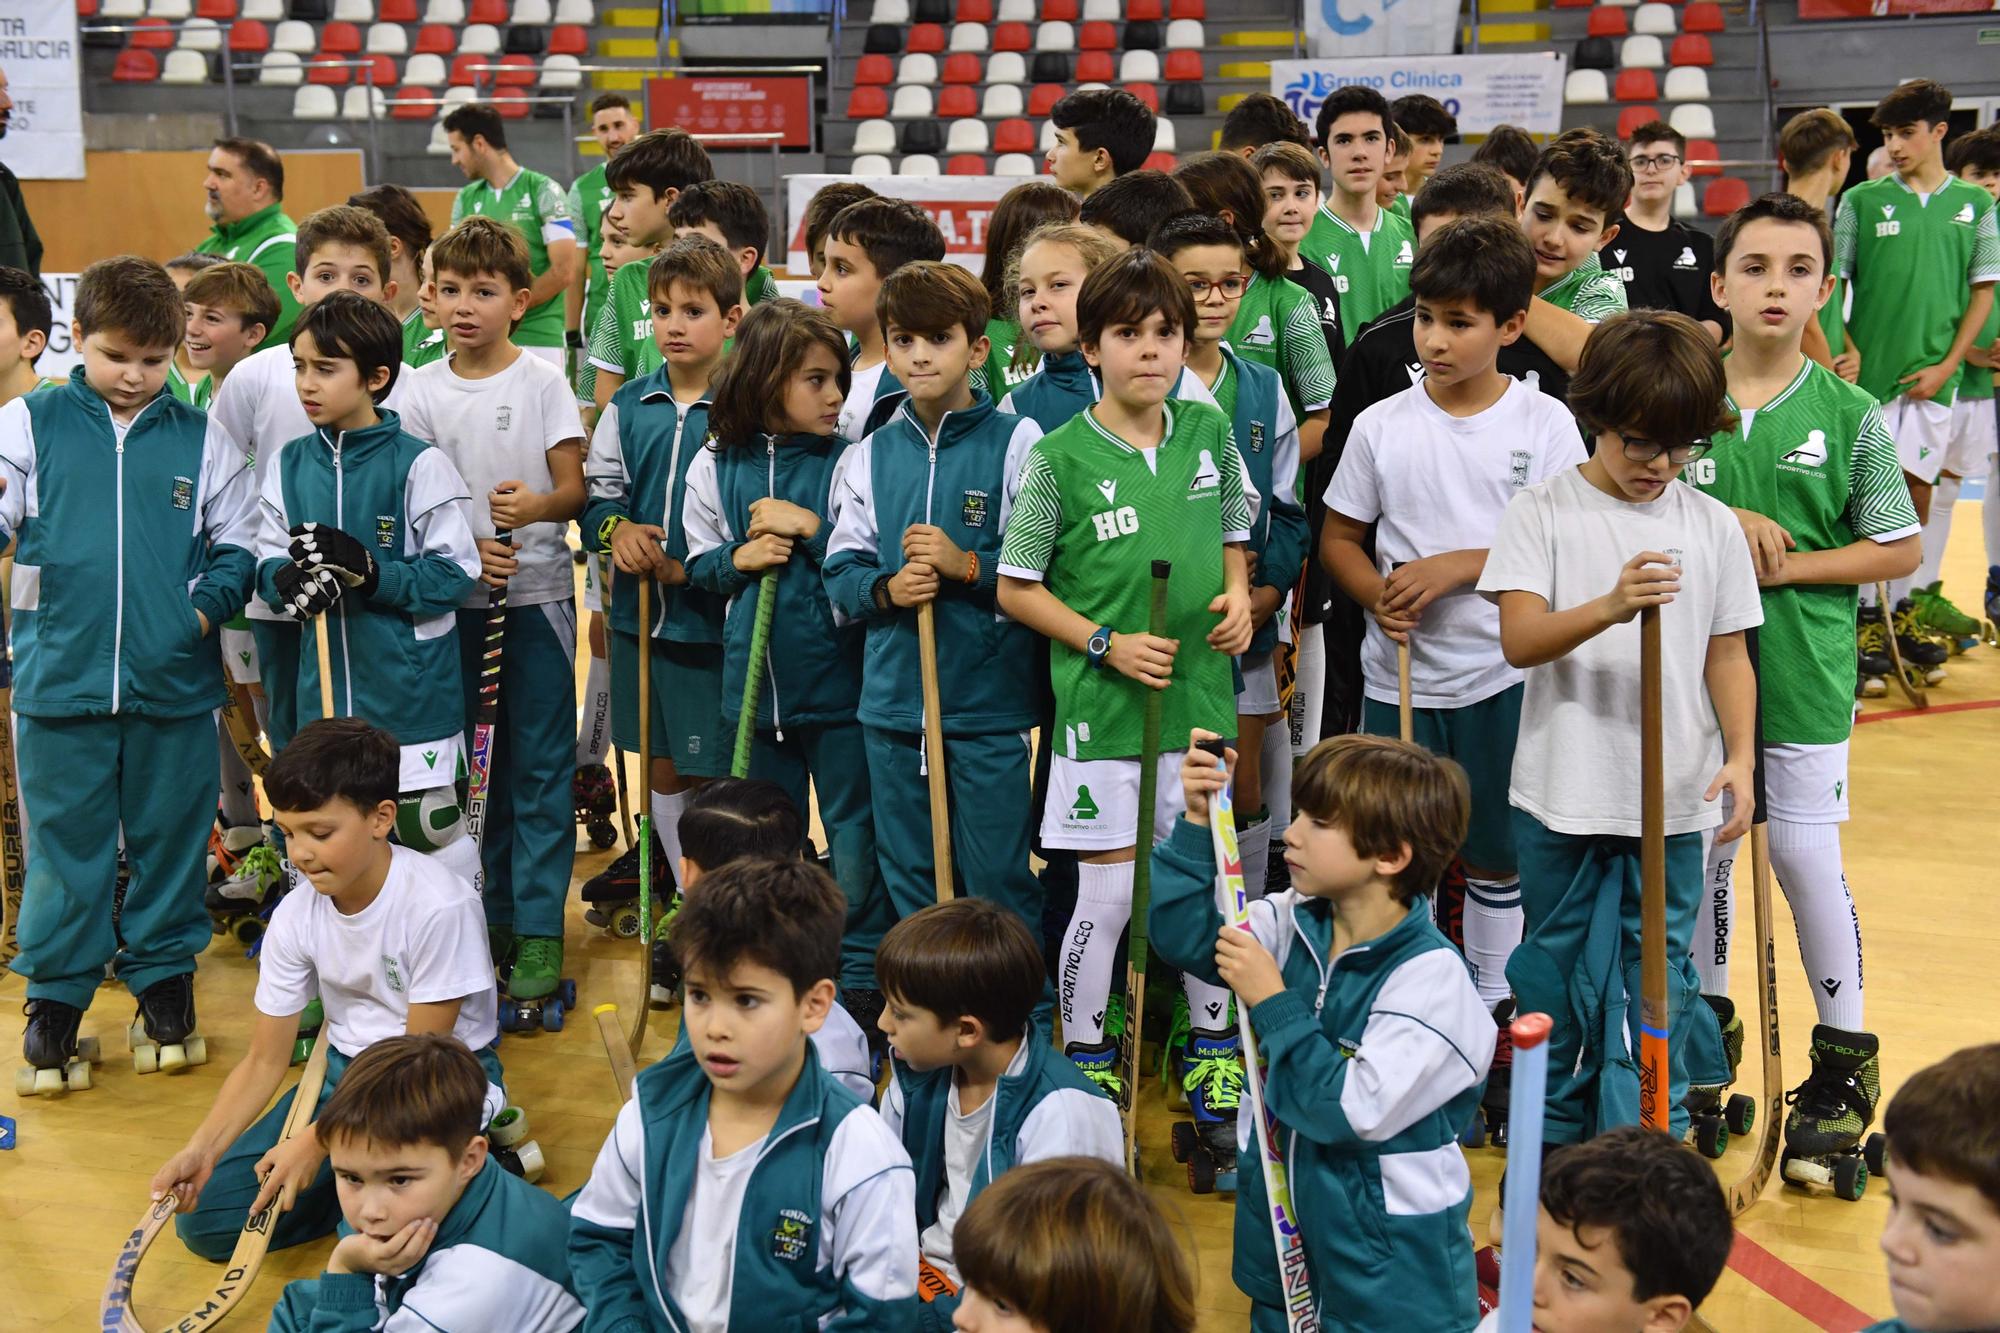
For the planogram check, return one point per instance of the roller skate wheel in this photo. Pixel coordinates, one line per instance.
(625, 925)
(532, 1165)
(1803, 1171)
(567, 990)
(552, 1016)
(1850, 1178)
(1873, 1150)
(173, 1056)
(217, 926)
(1874, 687)
(135, 1035)
(1711, 1136)
(603, 834)
(248, 931)
(1739, 1113)
(146, 1059)
(509, 1127)
(24, 1080)
(77, 1076)
(1183, 1140)
(88, 1052)
(1201, 1173)
(596, 917)
(197, 1050)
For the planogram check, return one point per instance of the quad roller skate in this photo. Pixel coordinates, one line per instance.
(162, 1034)
(512, 1148)
(1943, 622)
(1831, 1111)
(310, 1021)
(537, 994)
(1987, 629)
(596, 799)
(612, 894)
(1489, 1123)
(1873, 664)
(56, 1057)
(1712, 1119)
(1923, 651)
(1098, 1062)
(666, 973)
(1213, 1078)
(244, 877)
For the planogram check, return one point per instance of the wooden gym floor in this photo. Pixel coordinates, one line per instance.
(76, 1184)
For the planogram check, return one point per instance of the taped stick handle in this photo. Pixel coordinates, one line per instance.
(1653, 1019)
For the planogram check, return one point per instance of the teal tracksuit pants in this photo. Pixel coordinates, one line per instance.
(82, 778)
(210, 1229)
(832, 757)
(278, 669)
(1579, 963)
(528, 843)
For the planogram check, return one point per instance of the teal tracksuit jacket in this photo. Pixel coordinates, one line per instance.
(500, 1259)
(1064, 386)
(1374, 1060)
(794, 1271)
(1267, 439)
(394, 654)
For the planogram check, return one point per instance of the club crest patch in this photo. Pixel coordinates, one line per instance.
(973, 511)
(1256, 437)
(183, 492)
(392, 974)
(1517, 471)
(790, 1238)
(385, 530)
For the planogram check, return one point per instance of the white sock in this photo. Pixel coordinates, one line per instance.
(1900, 588)
(1806, 859)
(1989, 511)
(1492, 929)
(1090, 946)
(1277, 770)
(1937, 532)
(1254, 841)
(239, 797)
(461, 857)
(667, 808)
(1712, 924)
(1208, 1006)
(593, 732)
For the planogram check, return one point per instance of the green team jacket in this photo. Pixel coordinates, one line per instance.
(264, 239)
(124, 542)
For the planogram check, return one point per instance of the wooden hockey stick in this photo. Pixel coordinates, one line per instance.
(325, 665)
(1142, 878)
(243, 733)
(645, 673)
(1521, 1208)
(1654, 1106)
(15, 867)
(485, 717)
(1406, 725)
(624, 1068)
(934, 749)
(115, 1310)
(1747, 1188)
(753, 672)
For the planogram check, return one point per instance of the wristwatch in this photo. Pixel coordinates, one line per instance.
(1097, 645)
(573, 338)
(606, 528)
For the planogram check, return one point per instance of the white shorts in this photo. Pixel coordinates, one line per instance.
(1972, 438)
(1093, 804)
(593, 596)
(431, 764)
(1259, 695)
(239, 656)
(1923, 434)
(1806, 784)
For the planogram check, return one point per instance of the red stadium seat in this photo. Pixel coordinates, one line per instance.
(1041, 99)
(1160, 162)
(965, 164)
(1059, 9)
(1014, 136)
(86, 9)
(321, 68)
(1095, 67)
(383, 69)
(957, 102)
(1607, 21)
(248, 37)
(874, 71)
(520, 72)
(464, 75)
(1632, 117)
(1690, 48)
(486, 11)
(1097, 36)
(569, 39)
(153, 35)
(1724, 196)
(397, 11)
(1704, 150)
(1146, 93)
(1574, 4)
(412, 102)
(926, 39)
(220, 10)
(975, 11)
(511, 103)
(1188, 9)
(1703, 16)
(135, 66)
(868, 103)
(339, 39)
(1144, 11)
(434, 39)
(962, 67)
(1184, 67)
(1636, 85)
(1012, 37)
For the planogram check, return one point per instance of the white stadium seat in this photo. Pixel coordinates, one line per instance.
(873, 164)
(1655, 18)
(451, 13)
(425, 70)
(919, 69)
(919, 164)
(200, 35)
(440, 143)
(387, 39)
(184, 66)
(1687, 83)
(1014, 164)
(1001, 101)
(1007, 67)
(580, 12)
(1047, 138)
(1102, 11)
(1139, 67)
(1642, 52)
(968, 135)
(560, 72)
(531, 14)
(314, 102)
(1015, 11)
(126, 10)
(1694, 120)
(455, 97)
(891, 11)
(264, 11)
(1055, 35)
(1586, 87)
(481, 39)
(354, 103)
(173, 11)
(1163, 135)
(969, 37)
(1185, 34)
(875, 136)
(1684, 201)
(280, 68)
(294, 35)
(913, 103)
(353, 11)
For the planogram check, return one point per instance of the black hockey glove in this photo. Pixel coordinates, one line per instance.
(305, 593)
(322, 546)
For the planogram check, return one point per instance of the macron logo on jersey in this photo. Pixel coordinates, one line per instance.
(1416, 369)
(1891, 227)
(1109, 490)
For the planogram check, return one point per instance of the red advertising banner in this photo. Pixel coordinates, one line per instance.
(1882, 9)
(731, 105)
(962, 206)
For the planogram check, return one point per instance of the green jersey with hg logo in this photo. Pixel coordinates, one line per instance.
(1091, 516)
(538, 209)
(1370, 270)
(1818, 460)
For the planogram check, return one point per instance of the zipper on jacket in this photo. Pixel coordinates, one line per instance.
(118, 617)
(930, 487)
(340, 519)
(770, 676)
(667, 504)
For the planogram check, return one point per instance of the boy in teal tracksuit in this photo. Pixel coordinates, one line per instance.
(365, 530)
(134, 522)
(433, 1229)
(807, 1204)
(1375, 1043)
(917, 519)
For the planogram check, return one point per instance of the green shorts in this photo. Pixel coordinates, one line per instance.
(1481, 738)
(686, 703)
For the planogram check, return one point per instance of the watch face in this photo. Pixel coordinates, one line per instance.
(1099, 644)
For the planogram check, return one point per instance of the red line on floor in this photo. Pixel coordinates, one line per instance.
(1794, 1289)
(1897, 714)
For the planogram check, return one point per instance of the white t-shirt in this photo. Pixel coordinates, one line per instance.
(422, 940)
(860, 400)
(701, 1263)
(1576, 763)
(497, 429)
(843, 1050)
(964, 1141)
(258, 404)
(1432, 482)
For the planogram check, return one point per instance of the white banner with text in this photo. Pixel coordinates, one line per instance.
(1482, 91)
(1348, 28)
(44, 68)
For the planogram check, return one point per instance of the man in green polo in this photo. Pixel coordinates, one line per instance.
(246, 190)
(533, 205)
(613, 125)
